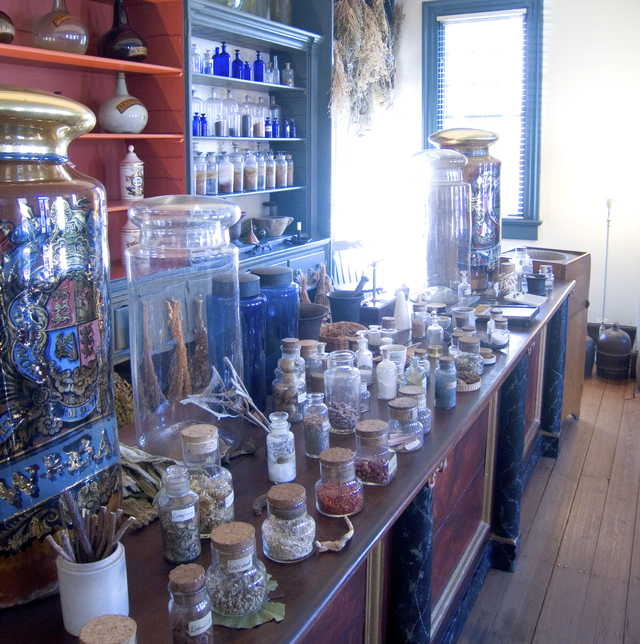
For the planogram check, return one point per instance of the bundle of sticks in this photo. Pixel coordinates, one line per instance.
(95, 536)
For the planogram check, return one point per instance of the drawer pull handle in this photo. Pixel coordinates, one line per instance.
(532, 346)
(431, 481)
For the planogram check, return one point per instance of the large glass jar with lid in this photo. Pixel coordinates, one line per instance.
(247, 116)
(445, 198)
(288, 533)
(231, 114)
(342, 392)
(211, 482)
(406, 433)
(376, 464)
(214, 110)
(237, 159)
(250, 172)
(482, 172)
(236, 579)
(339, 490)
(171, 272)
(253, 318)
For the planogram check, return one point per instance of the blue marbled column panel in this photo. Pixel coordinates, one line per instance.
(508, 476)
(553, 384)
(410, 587)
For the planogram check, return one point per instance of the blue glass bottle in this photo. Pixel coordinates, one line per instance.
(224, 61)
(277, 285)
(293, 132)
(286, 129)
(246, 71)
(258, 68)
(236, 66)
(216, 62)
(203, 125)
(195, 124)
(446, 383)
(253, 318)
(267, 128)
(207, 67)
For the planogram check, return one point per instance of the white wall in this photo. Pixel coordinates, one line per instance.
(590, 138)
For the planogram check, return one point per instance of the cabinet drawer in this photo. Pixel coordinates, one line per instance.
(304, 263)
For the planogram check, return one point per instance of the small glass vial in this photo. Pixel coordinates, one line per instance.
(406, 433)
(211, 187)
(339, 490)
(415, 374)
(288, 533)
(290, 167)
(453, 347)
(315, 422)
(364, 360)
(418, 321)
(308, 348)
(388, 330)
(342, 392)
(318, 364)
(189, 606)
(376, 464)
(289, 393)
(500, 335)
(236, 579)
(365, 397)
(287, 75)
(261, 111)
(464, 288)
(386, 377)
(211, 482)
(207, 65)
(281, 449)
(446, 383)
(468, 359)
(435, 333)
(179, 516)
(424, 360)
(420, 394)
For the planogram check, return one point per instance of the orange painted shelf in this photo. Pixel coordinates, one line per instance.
(50, 58)
(179, 138)
(116, 205)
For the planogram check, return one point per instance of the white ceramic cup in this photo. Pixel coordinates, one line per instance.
(398, 355)
(89, 590)
(469, 311)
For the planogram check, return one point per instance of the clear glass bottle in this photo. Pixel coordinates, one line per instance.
(373, 336)
(270, 170)
(195, 60)
(547, 269)
(261, 111)
(189, 606)
(445, 383)
(179, 516)
(464, 288)
(386, 377)
(225, 174)
(424, 360)
(237, 159)
(211, 187)
(453, 347)
(250, 172)
(59, 30)
(214, 111)
(262, 171)
(122, 41)
(342, 392)
(275, 113)
(287, 75)
(276, 70)
(468, 359)
(365, 397)
(494, 313)
(406, 433)
(288, 388)
(281, 449)
(258, 68)
(199, 174)
(212, 483)
(268, 73)
(247, 116)
(500, 335)
(420, 394)
(281, 171)
(435, 333)
(286, 129)
(290, 167)
(388, 329)
(415, 374)
(224, 61)
(236, 579)
(316, 425)
(197, 104)
(237, 66)
(288, 533)
(207, 63)
(318, 364)
(364, 360)
(418, 321)
(338, 491)
(375, 463)
(231, 112)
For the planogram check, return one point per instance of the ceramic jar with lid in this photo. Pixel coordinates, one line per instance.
(339, 490)
(376, 464)
(131, 176)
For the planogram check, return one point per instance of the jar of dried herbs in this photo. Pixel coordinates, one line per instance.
(189, 606)
(289, 533)
(342, 391)
(179, 516)
(316, 425)
(237, 579)
(211, 482)
(339, 490)
(376, 464)
(468, 358)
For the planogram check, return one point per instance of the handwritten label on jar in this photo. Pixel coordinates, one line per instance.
(240, 565)
(199, 626)
(228, 500)
(178, 516)
(450, 385)
(302, 398)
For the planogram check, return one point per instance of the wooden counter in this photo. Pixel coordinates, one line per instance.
(449, 504)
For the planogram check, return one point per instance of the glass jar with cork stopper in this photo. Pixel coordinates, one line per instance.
(420, 394)
(316, 425)
(342, 392)
(468, 358)
(236, 579)
(189, 606)
(288, 533)
(339, 490)
(376, 464)
(406, 433)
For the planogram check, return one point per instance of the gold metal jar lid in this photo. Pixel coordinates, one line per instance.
(187, 578)
(287, 495)
(434, 350)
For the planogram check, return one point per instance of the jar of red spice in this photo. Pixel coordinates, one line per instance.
(339, 490)
(376, 464)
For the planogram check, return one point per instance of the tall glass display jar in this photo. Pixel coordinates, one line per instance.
(171, 274)
(482, 172)
(57, 407)
(445, 199)
(253, 318)
(342, 392)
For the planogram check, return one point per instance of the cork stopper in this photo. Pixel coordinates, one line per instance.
(469, 328)
(336, 456)
(469, 343)
(308, 347)
(419, 306)
(232, 538)
(371, 428)
(501, 323)
(487, 354)
(445, 360)
(412, 391)
(436, 306)
(496, 312)
(461, 320)
(290, 343)
(388, 323)
(109, 629)
(198, 434)
(187, 578)
(287, 495)
(421, 353)
(402, 408)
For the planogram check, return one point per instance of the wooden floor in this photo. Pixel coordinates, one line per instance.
(578, 577)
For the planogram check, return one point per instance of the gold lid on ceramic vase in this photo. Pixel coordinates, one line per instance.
(33, 122)
(464, 140)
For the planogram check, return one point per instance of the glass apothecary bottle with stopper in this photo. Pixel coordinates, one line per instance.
(342, 392)
(288, 533)
(364, 360)
(289, 387)
(386, 377)
(339, 490)
(189, 606)
(236, 579)
(376, 464)
(211, 482)
(281, 449)
(406, 433)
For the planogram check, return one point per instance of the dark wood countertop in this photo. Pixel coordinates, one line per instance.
(305, 587)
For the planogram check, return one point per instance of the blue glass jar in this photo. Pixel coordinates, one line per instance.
(277, 285)
(246, 71)
(224, 62)
(446, 383)
(253, 319)
(237, 66)
(258, 68)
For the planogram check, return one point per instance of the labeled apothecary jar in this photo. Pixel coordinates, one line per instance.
(211, 482)
(236, 579)
(281, 449)
(468, 358)
(406, 433)
(316, 425)
(376, 464)
(420, 394)
(342, 392)
(288, 533)
(446, 383)
(289, 385)
(171, 273)
(317, 364)
(189, 606)
(339, 490)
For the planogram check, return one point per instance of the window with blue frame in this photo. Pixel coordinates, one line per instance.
(482, 69)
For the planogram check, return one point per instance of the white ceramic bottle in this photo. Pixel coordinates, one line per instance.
(122, 113)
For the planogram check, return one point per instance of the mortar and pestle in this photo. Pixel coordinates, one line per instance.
(345, 305)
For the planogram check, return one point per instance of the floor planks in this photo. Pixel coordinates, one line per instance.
(578, 576)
